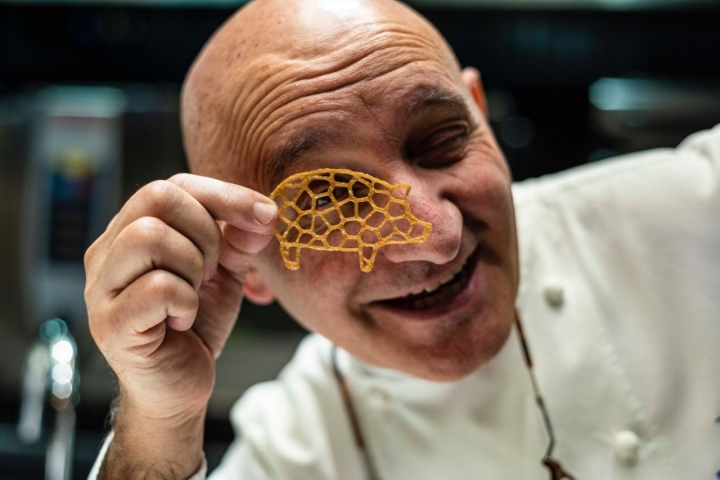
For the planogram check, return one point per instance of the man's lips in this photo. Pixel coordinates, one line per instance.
(439, 295)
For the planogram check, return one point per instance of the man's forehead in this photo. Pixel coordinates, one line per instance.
(314, 133)
(246, 87)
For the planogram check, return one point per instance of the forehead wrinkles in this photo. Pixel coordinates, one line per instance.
(277, 90)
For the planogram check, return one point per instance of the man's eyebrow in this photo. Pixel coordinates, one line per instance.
(312, 138)
(316, 137)
(431, 96)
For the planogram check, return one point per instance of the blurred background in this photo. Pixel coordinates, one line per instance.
(89, 113)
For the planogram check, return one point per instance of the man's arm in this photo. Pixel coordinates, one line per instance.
(164, 287)
(146, 448)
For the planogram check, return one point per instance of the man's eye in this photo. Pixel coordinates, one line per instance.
(322, 201)
(443, 147)
(340, 194)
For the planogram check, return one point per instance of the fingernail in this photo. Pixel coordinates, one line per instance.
(264, 212)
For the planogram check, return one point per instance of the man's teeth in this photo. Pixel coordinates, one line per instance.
(432, 288)
(445, 280)
(442, 281)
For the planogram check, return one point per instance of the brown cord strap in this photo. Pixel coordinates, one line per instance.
(556, 471)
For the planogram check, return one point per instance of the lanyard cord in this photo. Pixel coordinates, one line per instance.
(556, 470)
(354, 421)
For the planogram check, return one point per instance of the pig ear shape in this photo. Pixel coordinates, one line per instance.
(401, 191)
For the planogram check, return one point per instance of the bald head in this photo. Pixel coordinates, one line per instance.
(290, 86)
(278, 62)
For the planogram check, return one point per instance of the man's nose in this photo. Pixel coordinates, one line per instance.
(429, 205)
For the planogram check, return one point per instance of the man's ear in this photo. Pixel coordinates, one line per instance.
(256, 290)
(473, 81)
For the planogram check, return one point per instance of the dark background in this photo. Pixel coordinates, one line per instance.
(538, 68)
(546, 59)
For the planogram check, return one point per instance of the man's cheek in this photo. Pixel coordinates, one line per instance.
(485, 190)
(328, 268)
(323, 276)
(318, 292)
(484, 151)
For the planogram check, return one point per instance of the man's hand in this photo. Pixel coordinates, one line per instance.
(164, 287)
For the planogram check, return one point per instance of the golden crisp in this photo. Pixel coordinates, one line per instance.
(340, 210)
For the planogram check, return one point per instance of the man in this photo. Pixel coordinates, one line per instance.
(616, 278)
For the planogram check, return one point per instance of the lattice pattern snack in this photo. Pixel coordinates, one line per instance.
(340, 210)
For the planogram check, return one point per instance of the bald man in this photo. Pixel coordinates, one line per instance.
(414, 370)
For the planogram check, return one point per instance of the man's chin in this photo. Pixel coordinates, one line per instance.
(459, 357)
(451, 354)
(450, 345)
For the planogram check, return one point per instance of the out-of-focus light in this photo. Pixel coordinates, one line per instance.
(517, 132)
(50, 330)
(616, 93)
(62, 351)
(626, 94)
(501, 105)
(62, 390)
(62, 373)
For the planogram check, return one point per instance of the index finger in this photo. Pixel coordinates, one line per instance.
(236, 205)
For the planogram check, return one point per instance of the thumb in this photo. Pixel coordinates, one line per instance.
(239, 248)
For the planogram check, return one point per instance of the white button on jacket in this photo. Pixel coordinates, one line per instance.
(620, 300)
(554, 292)
(626, 447)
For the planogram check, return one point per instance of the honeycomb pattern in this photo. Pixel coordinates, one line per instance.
(340, 210)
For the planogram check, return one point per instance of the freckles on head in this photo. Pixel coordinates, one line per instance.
(284, 90)
(274, 60)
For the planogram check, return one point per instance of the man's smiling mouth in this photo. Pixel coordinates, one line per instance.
(440, 294)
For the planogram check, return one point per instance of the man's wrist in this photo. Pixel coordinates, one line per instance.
(148, 446)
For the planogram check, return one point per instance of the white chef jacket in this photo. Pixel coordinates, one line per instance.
(620, 301)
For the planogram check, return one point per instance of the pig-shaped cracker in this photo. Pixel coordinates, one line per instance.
(340, 210)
